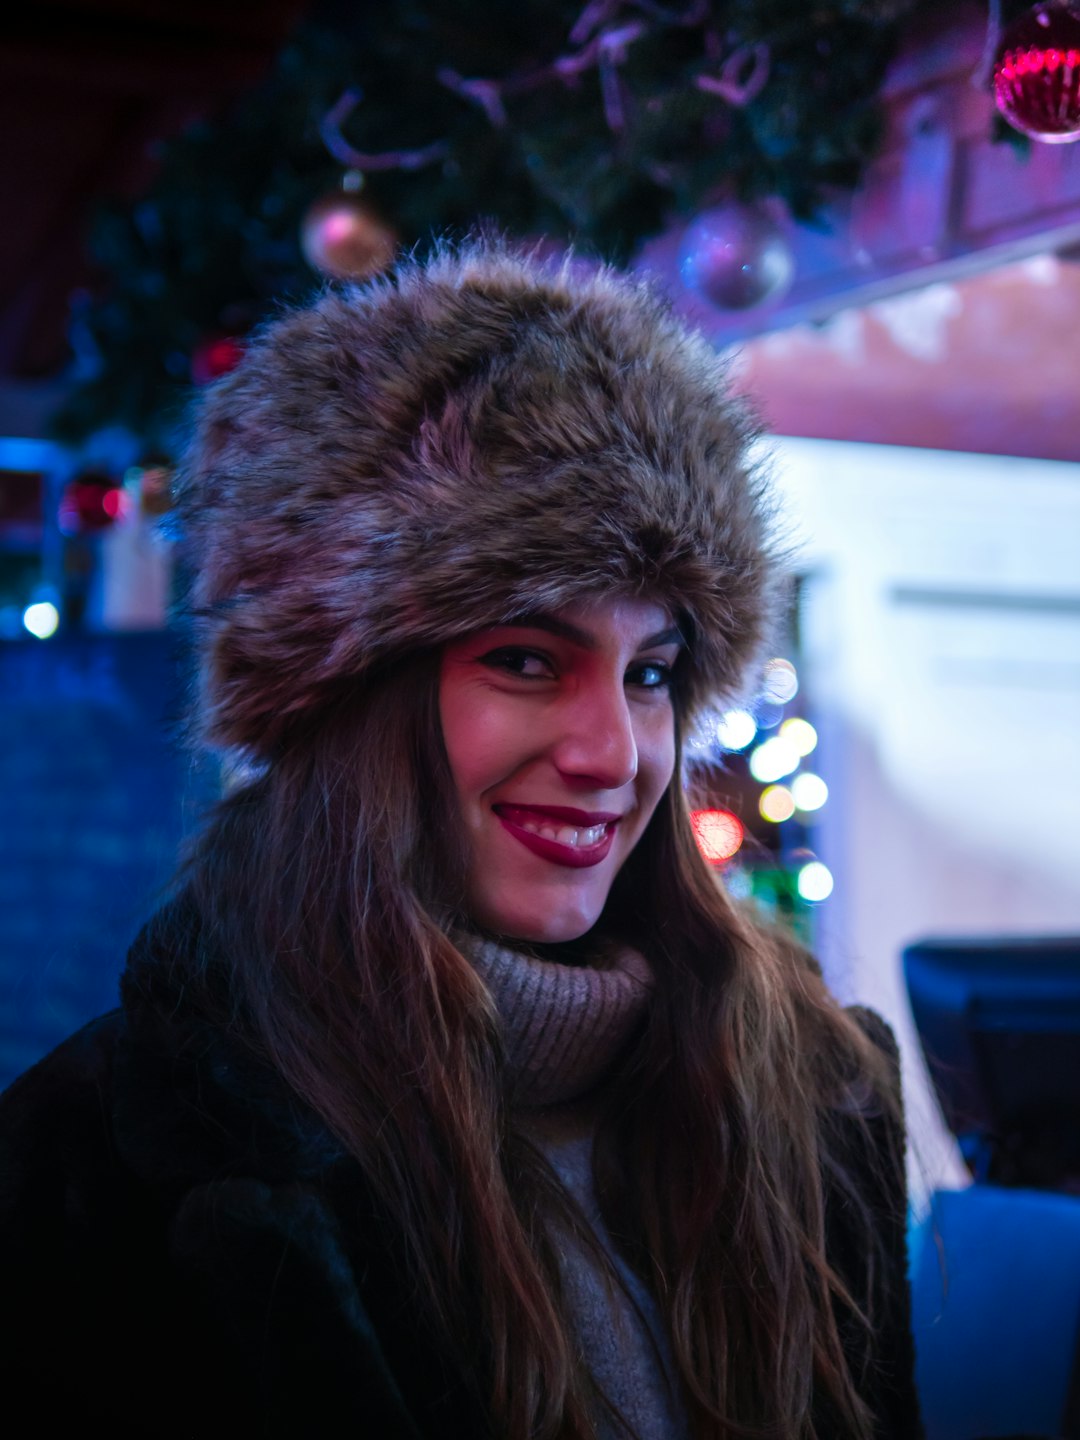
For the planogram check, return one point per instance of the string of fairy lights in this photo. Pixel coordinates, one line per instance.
(778, 750)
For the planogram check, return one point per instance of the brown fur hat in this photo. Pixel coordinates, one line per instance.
(480, 436)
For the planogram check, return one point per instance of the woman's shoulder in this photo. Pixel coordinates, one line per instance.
(65, 1194)
(858, 1043)
(59, 1110)
(167, 1207)
(877, 1030)
(58, 1120)
(162, 1093)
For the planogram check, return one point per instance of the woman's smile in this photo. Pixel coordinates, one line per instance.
(566, 836)
(560, 734)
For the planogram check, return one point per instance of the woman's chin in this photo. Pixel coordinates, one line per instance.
(538, 929)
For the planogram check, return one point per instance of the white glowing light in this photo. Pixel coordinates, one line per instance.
(779, 683)
(776, 804)
(773, 759)
(810, 791)
(736, 729)
(41, 619)
(815, 881)
(800, 733)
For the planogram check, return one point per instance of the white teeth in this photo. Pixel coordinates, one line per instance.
(565, 834)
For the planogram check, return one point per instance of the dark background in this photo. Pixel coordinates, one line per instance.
(87, 89)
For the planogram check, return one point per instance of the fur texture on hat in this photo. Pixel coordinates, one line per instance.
(478, 437)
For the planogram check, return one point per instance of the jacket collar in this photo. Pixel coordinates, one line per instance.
(193, 1100)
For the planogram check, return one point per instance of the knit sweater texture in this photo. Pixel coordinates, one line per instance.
(564, 1027)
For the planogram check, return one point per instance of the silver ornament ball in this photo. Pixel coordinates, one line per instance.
(736, 256)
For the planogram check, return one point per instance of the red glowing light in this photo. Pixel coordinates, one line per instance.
(718, 834)
(1015, 63)
(92, 502)
(215, 358)
(1037, 72)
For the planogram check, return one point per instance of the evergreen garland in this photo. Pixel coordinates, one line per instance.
(604, 154)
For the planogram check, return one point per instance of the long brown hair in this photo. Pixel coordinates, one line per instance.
(334, 882)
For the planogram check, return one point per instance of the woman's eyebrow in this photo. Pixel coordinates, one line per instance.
(540, 620)
(671, 636)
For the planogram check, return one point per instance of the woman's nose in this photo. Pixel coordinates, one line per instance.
(597, 744)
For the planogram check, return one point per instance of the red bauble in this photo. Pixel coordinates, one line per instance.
(215, 357)
(92, 501)
(1037, 73)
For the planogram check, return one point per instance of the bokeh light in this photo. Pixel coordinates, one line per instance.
(767, 715)
(799, 733)
(779, 682)
(718, 833)
(776, 804)
(738, 882)
(814, 881)
(809, 790)
(773, 759)
(41, 619)
(736, 729)
(116, 504)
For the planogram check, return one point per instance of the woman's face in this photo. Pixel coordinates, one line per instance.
(560, 733)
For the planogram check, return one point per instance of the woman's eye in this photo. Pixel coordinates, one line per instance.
(650, 675)
(526, 663)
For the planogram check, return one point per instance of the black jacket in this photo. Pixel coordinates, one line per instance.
(186, 1251)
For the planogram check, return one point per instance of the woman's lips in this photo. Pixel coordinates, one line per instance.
(575, 838)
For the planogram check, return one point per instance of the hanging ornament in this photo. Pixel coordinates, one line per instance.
(343, 237)
(215, 357)
(1037, 73)
(92, 501)
(736, 256)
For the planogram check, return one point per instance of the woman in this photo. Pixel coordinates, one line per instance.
(451, 1096)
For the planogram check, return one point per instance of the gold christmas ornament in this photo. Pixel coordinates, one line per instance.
(343, 237)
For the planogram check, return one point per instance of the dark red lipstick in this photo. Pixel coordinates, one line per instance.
(563, 814)
(578, 857)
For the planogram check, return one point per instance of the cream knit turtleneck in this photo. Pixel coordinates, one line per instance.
(564, 1027)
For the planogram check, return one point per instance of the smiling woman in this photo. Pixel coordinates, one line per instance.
(450, 1095)
(560, 734)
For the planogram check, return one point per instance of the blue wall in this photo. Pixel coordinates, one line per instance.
(95, 796)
